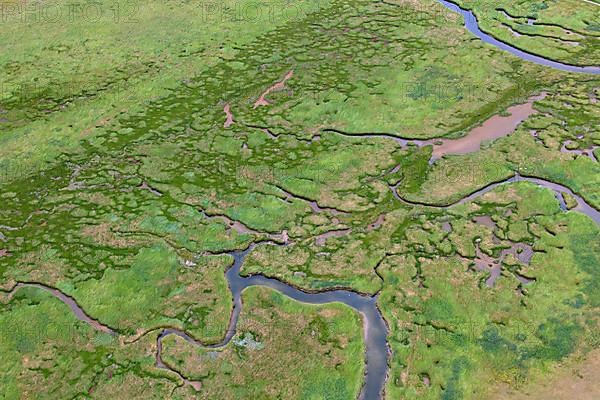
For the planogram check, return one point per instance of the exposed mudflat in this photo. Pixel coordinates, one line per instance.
(495, 127)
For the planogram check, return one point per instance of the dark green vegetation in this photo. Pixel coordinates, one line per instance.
(134, 222)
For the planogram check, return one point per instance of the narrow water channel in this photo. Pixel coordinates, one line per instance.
(375, 328)
(473, 26)
(377, 351)
(582, 206)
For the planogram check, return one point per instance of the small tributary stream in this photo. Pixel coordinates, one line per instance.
(377, 351)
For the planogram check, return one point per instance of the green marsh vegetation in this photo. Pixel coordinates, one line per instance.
(47, 354)
(566, 31)
(449, 325)
(134, 221)
(569, 114)
(323, 343)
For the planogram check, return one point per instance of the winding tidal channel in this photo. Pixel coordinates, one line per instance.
(473, 26)
(377, 352)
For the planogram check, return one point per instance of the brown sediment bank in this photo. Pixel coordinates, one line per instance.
(196, 385)
(485, 220)
(229, 115)
(277, 86)
(495, 127)
(146, 186)
(321, 239)
(377, 224)
(446, 226)
(242, 229)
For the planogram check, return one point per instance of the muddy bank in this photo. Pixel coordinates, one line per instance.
(196, 385)
(493, 128)
(262, 101)
(321, 239)
(313, 204)
(242, 229)
(70, 302)
(484, 262)
(228, 116)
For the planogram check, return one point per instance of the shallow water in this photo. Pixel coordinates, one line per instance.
(586, 152)
(262, 101)
(375, 328)
(495, 127)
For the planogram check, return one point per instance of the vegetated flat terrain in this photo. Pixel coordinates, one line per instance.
(139, 152)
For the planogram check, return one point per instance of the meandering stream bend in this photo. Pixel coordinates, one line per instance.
(582, 206)
(473, 26)
(375, 329)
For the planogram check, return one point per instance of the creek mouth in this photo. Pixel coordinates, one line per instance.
(472, 26)
(495, 127)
